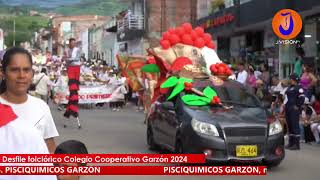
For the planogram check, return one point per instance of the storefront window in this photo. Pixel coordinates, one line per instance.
(217, 5)
(228, 3)
(244, 1)
(310, 36)
(203, 8)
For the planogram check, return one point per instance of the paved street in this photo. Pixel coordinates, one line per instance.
(124, 132)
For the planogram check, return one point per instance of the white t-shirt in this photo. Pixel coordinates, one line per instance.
(103, 76)
(18, 137)
(123, 79)
(114, 82)
(37, 113)
(87, 70)
(279, 88)
(146, 84)
(42, 86)
(73, 56)
(118, 94)
(257, 74)
(61, 86)
(82, 69)
(242, 77)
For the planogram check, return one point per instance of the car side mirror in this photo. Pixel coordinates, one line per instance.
(168, 106)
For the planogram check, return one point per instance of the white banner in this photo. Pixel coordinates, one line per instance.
(91, 95)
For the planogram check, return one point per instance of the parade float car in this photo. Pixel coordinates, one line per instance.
(240, 129)
(198, 107)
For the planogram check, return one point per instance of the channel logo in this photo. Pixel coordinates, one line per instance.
(287, 24)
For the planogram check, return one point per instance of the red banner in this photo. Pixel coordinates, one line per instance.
(103, 158)
(133, 170)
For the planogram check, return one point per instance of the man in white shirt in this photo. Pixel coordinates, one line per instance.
(43, 83)
(72, 58)
(242, 75)
(17, 136)
(72, 54)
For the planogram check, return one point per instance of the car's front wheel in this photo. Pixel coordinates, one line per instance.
(150, 139)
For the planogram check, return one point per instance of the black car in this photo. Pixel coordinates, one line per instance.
(240, 130)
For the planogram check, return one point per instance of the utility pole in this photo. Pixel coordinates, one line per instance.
(14, 32)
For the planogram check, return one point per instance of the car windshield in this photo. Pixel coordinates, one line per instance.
(231, 93)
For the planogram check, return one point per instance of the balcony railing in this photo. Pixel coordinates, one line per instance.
(131, 21)
(111, 23)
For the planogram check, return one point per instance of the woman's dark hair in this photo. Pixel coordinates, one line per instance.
(251, 68)
(72, 147)
(280, 97)
(300, 52)
(241, 64)
(308, 68)
(72, 39)
(6, 61)
(44, 70)
(265, 66)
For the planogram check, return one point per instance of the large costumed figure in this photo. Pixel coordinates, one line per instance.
(185, 54)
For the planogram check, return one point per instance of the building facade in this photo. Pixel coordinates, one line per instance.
(65, 27)
(243, 30)
(110, 44)
(163, 14)
(142, 25)
(95, 42)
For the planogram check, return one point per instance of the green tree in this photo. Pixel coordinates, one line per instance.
(25, 28)
(34, 25)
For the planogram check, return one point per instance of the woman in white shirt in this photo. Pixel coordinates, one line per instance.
(118, 94)
(43, 83)
(17, 77)
(61, 88)
(17, 136)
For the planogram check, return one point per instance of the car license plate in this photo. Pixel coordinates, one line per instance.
(246, 151)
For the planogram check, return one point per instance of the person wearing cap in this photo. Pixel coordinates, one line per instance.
(294, 99)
